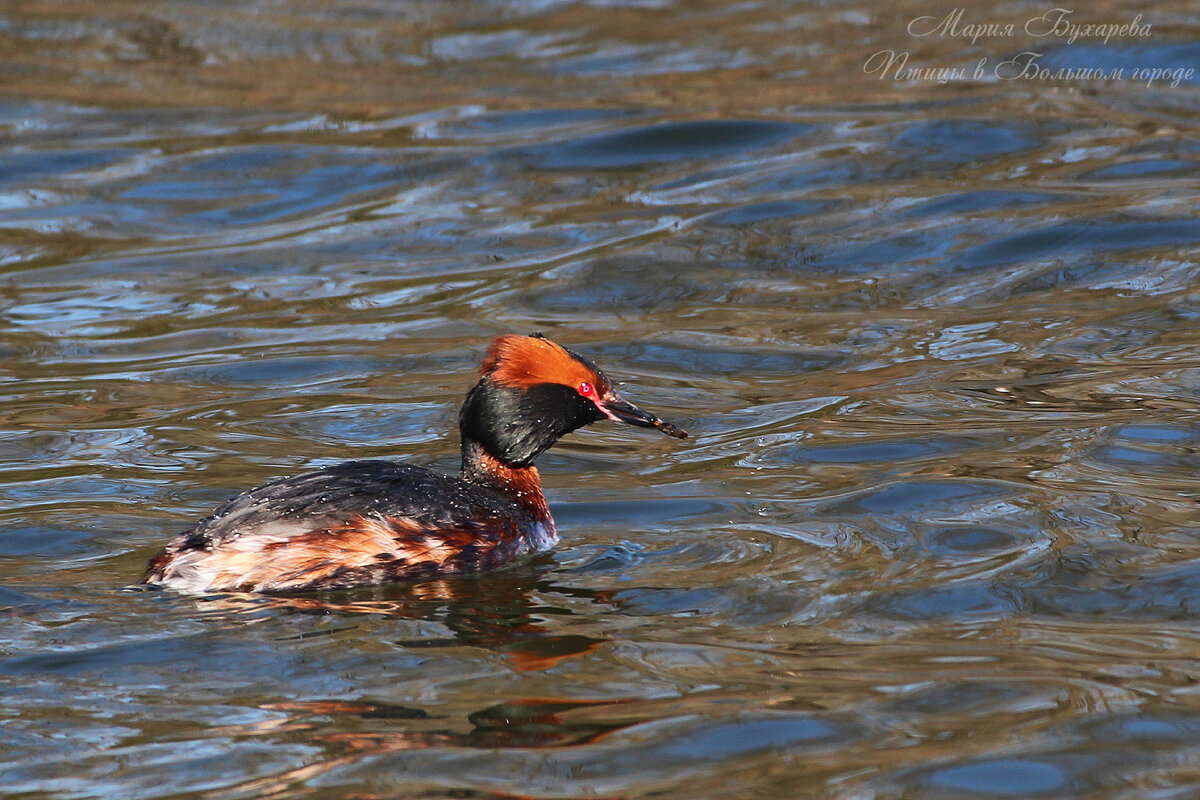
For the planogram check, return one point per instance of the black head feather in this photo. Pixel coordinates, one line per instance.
(516, 426)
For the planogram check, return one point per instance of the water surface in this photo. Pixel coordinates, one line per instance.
(935, 533)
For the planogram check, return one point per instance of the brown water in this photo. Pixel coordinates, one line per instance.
(935, 534)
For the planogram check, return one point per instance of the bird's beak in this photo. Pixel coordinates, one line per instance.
(619, 409)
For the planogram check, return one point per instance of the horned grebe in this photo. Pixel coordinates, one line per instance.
(371, 522)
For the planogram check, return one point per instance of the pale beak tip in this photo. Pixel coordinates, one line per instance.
(670, 430)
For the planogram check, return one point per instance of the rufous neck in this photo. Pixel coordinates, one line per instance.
(522, 484)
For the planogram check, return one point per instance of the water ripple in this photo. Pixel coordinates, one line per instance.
(934, 533)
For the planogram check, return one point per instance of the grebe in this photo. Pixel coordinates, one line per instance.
(369, 522)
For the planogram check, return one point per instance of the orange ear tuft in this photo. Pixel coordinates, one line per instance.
(524, 361)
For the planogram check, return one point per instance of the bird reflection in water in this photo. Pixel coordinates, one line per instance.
(498, 611)
(524, 723)
(495, 611)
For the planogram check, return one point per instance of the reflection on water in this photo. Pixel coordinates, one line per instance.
(936, 533)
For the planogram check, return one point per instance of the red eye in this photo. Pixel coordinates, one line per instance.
(586, 389)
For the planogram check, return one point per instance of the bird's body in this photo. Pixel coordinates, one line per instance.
(370, 522)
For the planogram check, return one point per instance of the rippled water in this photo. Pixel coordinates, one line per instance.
(935, 534)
